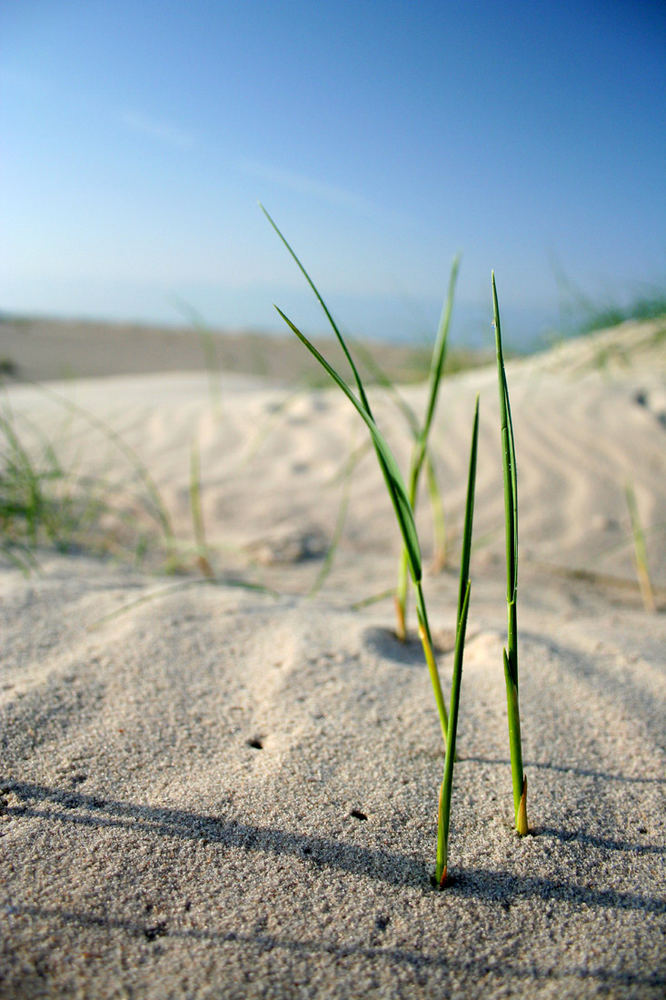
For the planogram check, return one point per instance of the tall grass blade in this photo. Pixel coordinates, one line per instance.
(439, 351)
(441, 869)
(357, 378)
(510, 655)
(386, 461)
(203, 561)
(159, 511)
(441, 554)
(640, 551)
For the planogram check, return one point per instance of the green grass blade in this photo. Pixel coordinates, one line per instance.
(518, 779)
(357, 378)
(438, 515)
(461, 628)
(439, 351)
(519, 782)
(425, 636)
(434, 381)
(444, 813)
(469, 511)
(508, 460)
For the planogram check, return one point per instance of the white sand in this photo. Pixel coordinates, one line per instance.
(149, 850)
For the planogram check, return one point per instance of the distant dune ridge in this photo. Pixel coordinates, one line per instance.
(39, 348)
(208, 790)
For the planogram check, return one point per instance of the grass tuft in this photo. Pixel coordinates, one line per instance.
(40, 503)
(403, 508)
(45, 504)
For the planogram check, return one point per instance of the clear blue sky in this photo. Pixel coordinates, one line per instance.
(385, 136)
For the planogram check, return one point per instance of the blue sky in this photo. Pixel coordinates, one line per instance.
(383, 137)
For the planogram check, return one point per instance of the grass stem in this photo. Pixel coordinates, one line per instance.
(441, 868)
(510, 654)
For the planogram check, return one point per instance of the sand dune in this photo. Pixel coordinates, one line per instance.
(224, 792)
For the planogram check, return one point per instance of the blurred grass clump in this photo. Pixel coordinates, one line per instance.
(46, 503)
(581, 313)
(41, 503)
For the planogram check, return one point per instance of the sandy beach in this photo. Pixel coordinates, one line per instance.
(227, 787)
